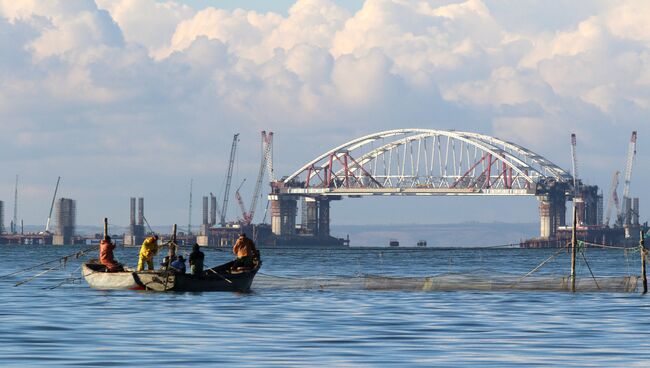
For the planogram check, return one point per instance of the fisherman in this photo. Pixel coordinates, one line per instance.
(196, 260)
(106, 255)
(148, 250)
(178, 265)
(245, 251)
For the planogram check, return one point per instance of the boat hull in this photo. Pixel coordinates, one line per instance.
(219, 278)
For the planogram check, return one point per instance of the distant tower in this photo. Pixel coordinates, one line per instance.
(135, 233)
(14, 222)
(66, 215)
(2, 217)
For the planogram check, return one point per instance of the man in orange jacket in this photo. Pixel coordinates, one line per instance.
(106, 256)
(245, 251)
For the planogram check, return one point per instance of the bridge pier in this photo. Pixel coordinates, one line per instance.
(283, 214)
(323, 217)
(310, 216)
(552, 212)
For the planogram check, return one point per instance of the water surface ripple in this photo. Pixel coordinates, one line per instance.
(283, 324)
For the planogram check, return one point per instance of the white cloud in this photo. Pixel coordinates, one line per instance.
(106, 78)
(147, 22)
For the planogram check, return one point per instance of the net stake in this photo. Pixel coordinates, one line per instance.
(643, 252)
(573, 250)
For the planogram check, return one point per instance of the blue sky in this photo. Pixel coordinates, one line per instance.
(134, 97)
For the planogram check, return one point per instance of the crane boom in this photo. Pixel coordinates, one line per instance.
(574, 162)
(246, 216)
(266, 153)
(631, 153)
(49, 217)
(613, 199)
(226, 193)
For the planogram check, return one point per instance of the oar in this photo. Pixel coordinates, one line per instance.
(220, 275)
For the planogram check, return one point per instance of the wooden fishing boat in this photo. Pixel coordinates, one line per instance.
(219, 278)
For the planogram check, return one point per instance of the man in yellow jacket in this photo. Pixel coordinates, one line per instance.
(148, 250)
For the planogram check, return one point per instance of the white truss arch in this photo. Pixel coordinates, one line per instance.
(427, 160)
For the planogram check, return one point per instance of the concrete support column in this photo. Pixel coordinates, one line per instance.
(560, 211)
(213, 209)
(310, 216)
(141, 211)
(546, 221)
(132, 211)
(579, 202)
(283, 215)
(205, 211)
(635, 212)
(323, 217)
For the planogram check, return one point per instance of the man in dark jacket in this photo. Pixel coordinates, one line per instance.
(196, 260)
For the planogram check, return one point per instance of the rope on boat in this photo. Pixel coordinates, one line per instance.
(70, 279)
(63, 260)
(37, 275)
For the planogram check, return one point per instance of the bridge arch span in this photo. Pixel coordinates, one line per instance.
(427, 161)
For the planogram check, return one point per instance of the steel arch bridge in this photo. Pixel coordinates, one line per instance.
(425, 162)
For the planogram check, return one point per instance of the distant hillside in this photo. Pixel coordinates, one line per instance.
(437, 235)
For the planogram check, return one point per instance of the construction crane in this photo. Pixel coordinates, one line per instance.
(631, 153)
(246, 216)
(216, 205)
(49, 217)
(613, 199)
(233, 150)
(575, 163)
(267, 145)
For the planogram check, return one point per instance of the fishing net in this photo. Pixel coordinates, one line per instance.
(451, 283)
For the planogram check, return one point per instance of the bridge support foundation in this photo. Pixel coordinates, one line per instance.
(310, 216)
(552, 213)
(283, 215)
(323, 217)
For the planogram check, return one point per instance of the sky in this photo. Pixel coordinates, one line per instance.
(129, 98)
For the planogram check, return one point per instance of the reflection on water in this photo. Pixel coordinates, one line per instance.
(288, 326)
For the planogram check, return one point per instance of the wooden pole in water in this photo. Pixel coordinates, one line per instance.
(172, 248)
(643, 256)
(573, 249)
(105, 228)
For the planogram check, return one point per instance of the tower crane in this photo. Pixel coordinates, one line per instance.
(49, 217)
(613, 199)
(246, 217)
(631, 154)
(233, 149)
(575, 163)
(267, 145)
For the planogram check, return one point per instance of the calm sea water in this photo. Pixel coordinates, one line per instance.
(284, 323)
